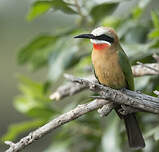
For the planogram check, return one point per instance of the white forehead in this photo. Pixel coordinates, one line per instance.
(99, 31)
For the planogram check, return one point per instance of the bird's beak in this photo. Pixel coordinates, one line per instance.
(102, 37)
(86, 36)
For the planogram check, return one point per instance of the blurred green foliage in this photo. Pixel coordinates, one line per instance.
(35, 50)
(40, 7)
(101, 10)
(59, 52)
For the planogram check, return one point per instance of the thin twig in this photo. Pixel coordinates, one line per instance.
(147, 66)
(156, 92)
(69, 89)
(55, 123)
(79, 8)
(156, 57)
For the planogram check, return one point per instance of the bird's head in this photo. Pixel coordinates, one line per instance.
(101, 37)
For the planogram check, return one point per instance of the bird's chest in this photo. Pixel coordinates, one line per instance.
(107, 68)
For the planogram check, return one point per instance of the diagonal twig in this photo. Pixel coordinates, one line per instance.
(149, 67)
(55, 123)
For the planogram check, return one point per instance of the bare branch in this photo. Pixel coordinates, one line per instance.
(70, 89)
(55, 123)
(147, 66)
(127, 97)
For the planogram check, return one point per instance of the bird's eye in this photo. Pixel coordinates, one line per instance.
(105, 38)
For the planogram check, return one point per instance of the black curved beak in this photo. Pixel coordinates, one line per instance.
(100, 37)
(86, 36)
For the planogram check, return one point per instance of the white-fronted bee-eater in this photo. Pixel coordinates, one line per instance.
(112, 69)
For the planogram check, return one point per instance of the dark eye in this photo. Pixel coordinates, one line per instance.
(105, 38)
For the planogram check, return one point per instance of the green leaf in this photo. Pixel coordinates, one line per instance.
(44, 112)
(137, 12)
(154, 33)
(15, 129)
(139, 9)
(155, 43)
(36, 52)
(100, 11)
(62, 6)
(40, 7)
(155, 19)
(139, 52)
(113, 22)
(34, 99)
(63, 57)
(34, 89)
(136, 34)
(33, 107)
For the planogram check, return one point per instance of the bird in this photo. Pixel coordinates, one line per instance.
(112, 69)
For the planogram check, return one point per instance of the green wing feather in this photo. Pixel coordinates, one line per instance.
(126, 68)
(95, 74)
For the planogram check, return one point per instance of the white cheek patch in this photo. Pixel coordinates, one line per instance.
(100, 42)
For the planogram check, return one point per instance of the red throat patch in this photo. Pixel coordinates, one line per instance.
(100, 46)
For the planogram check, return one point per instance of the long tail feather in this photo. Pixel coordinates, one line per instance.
(134, 133)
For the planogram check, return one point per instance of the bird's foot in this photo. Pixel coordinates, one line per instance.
(123, 89)
(124, 110)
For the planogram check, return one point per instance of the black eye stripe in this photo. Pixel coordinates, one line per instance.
(105, 38)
